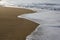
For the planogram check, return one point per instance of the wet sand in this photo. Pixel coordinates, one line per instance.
(13, 28)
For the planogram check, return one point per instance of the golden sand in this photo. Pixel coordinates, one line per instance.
(13, 28)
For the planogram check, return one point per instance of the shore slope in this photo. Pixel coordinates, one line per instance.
(13, 28)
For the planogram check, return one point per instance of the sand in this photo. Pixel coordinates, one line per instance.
(13, 28)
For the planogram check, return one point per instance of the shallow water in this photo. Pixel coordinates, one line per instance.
(49, 25)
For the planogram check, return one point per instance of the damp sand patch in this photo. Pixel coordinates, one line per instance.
(13, 28)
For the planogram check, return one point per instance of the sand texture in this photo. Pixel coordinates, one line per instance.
(13, 28)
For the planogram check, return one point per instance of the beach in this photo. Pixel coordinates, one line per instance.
(19, 22)
(12, 27)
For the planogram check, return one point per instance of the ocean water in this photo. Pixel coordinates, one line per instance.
(43, 4)
(47, 15)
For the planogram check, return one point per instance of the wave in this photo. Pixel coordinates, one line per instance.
(48, 6)
(39, 4)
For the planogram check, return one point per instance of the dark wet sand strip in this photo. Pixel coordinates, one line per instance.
(13, 28)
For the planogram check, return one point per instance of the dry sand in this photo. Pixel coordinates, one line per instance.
(13, 28)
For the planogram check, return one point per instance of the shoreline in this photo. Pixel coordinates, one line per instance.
(13, 28)
(9, 6)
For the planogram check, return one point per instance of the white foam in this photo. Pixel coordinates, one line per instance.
(49, 25)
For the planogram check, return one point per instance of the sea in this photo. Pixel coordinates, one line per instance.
(47, 15)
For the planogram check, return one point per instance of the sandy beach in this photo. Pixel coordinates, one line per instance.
(13, 28)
